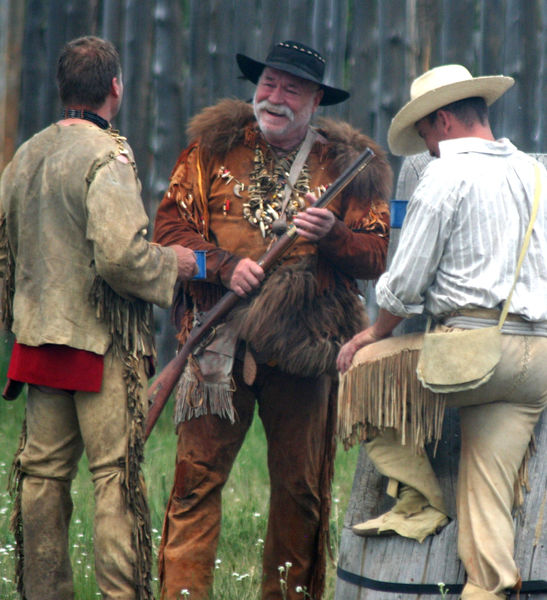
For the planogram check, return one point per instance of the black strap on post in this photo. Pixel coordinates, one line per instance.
(535, 586)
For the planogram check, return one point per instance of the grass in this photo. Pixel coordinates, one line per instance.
(245, 506)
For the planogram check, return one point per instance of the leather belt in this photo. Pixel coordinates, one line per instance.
(485, 313)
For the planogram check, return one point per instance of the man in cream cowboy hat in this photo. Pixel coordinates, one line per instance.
(456, 260)
(438, 88)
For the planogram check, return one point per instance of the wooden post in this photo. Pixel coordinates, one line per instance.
(368, 563)
(13, 14)
(400, 560)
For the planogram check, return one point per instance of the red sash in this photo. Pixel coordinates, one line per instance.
(57, 366)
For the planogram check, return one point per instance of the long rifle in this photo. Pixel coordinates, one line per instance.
(164, 383)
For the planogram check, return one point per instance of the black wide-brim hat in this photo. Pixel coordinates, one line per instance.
(296, 59)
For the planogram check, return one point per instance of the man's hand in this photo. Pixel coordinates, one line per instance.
(314, 223)
(347, 351)
(382, 328)
(246, 277)
(186, 262)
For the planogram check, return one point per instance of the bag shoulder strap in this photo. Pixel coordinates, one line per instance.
(297, 165)
(526, 242)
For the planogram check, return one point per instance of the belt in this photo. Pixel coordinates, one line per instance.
(485, 313)
(471, 318)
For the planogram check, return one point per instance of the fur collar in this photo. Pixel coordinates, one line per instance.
(220, 127)
(231, 122)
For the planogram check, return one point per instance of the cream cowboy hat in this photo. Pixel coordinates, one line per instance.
(432, 90)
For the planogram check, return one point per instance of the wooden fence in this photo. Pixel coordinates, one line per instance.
(178, 56)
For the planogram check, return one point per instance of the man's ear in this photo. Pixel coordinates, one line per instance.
(116, 87)
(318, 98)
(444, 120)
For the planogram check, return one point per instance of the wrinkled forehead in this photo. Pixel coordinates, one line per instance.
(277, 76)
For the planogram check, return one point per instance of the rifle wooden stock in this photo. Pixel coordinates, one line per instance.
(163, 385)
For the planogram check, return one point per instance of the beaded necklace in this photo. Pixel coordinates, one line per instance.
(266, 190)
(87, 115)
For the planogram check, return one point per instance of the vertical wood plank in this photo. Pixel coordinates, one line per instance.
(460, 22)
(328, 35)
(512, 121)
(12, 12)
(167, 137)
(110, 21)
(428, 30)
(391, 65)
(34, 76)
(521, 117)
(540, 135)
(135, 49)
(491, 56)
(362, 67)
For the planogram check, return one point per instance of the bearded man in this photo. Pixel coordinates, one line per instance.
(248, 171)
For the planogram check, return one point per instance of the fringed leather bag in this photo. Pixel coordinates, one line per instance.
(456, 361)
(453, 361)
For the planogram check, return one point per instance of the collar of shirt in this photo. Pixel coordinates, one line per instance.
(501, 147)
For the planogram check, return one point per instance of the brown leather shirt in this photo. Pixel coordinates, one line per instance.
(202, 210)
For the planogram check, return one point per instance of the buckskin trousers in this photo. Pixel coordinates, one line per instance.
(60, 425)
(294, 413)
(497, 422)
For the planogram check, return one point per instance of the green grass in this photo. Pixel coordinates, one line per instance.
(245, 507)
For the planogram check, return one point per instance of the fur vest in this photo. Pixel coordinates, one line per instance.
(306, 308)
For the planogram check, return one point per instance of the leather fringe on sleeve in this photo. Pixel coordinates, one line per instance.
(8, 284)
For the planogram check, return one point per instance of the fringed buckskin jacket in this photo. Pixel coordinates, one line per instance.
(96, 273)
(309, 305)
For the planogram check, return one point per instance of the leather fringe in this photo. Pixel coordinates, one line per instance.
(133, 482)
(129, 322)
(130, 326)
(15, 488)
(318, 575)
(8, 284)
(375, 395)
(197, 397)
(522, 483)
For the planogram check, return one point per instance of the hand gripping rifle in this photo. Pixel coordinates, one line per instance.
(163, 385)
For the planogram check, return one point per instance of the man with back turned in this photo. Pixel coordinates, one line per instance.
(79, 280)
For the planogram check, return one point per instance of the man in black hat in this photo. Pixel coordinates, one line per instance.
(250, 170)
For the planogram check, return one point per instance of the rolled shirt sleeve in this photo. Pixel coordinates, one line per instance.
(402, 289)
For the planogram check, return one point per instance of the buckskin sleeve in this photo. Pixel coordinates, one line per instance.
(359, 251)
(181, 216)
(116, 226)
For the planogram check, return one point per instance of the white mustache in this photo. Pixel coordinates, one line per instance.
(279, 109)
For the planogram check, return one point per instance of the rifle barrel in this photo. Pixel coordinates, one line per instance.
(161, 388)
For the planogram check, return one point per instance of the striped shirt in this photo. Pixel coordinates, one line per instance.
(463, 232)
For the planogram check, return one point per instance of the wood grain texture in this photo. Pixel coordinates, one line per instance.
(397, 559)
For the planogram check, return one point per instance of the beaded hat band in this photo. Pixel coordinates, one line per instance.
(296, 59)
